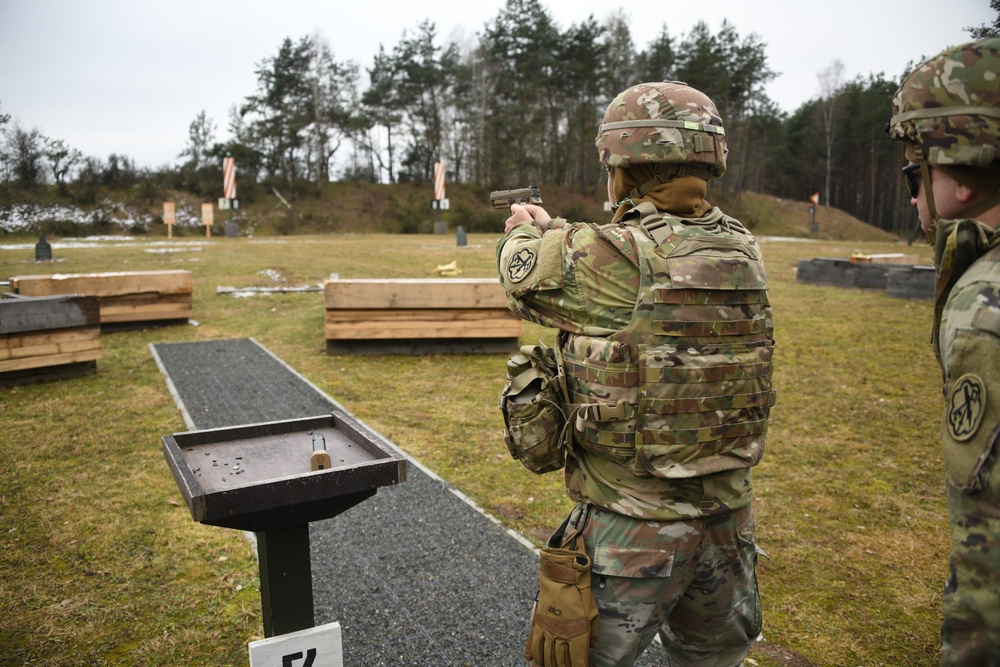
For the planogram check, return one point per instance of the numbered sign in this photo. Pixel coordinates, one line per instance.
(207, 215)
(312, 647)
(168, 218)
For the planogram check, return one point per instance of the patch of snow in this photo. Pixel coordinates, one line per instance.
(273, 274)
(27, 217)
(167, 250)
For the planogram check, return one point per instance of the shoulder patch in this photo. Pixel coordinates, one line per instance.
(966, 405)
(520, 264)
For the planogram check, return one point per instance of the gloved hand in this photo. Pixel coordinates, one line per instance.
(564, 626)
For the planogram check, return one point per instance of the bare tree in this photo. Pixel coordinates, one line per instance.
(831, 82)
(201, 136)
(61, 159)
(23, 152)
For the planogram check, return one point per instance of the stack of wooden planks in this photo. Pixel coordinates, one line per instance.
(432, 314)
(48, 337)
(129, 297)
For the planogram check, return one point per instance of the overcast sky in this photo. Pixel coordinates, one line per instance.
(129, 76)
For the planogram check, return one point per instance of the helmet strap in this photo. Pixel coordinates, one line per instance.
(925, 176)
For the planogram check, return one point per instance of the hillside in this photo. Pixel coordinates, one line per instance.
(367, 207)
(772, 216)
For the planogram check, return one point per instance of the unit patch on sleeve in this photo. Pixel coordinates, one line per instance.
(966, 406)
(520, 265)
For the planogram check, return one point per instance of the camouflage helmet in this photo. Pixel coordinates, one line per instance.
(667, 123)
(948, 108)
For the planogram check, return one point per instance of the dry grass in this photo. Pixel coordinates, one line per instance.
(101, 564)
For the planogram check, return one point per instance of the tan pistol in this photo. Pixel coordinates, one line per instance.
(507, 198)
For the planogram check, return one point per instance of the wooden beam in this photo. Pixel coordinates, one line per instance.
(415, 293)
(49, 360)
(427, 329)
(417, 310)
(142, 307)
(408, 314)
(105, 284)
(53, 336)
(46, 344)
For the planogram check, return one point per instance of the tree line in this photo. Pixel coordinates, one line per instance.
(519, 104)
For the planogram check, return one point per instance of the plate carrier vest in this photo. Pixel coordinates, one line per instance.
(684, 390)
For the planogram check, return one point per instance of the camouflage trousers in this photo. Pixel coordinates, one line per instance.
(970, 633)
(691, 582)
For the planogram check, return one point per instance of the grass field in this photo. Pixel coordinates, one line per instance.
(100, 562)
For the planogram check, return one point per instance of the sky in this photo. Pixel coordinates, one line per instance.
(129, 76)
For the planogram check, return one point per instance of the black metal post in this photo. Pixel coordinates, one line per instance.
(286, 595)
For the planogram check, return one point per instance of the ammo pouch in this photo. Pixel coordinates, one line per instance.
(534, 408)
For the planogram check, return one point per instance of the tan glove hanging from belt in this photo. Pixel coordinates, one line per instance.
(564, 626)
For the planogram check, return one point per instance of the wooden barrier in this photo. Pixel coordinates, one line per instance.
(48, 338)
(138, 296)
(419, 315)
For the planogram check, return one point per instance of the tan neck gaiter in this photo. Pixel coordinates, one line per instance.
(683, 196)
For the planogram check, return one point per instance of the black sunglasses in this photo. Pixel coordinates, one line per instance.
(911, 176)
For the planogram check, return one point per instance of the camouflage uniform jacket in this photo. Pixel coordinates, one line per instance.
(967, 342)
(670, 383)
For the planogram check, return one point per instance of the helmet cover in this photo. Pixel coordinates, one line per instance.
(948, 107)
(666, 123)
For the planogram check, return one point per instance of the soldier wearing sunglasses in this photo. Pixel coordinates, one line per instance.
(947, 112)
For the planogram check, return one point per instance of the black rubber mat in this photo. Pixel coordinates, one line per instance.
(232, 382)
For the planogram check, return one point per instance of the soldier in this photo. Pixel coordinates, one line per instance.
(666, 339)
(947, 111)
